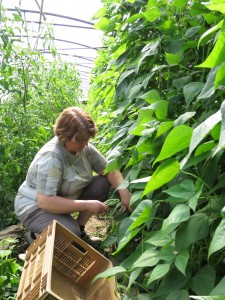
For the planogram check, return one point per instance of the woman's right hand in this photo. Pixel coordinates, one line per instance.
(96, 206)
(60, 205)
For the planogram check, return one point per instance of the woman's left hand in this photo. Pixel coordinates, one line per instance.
(115, 178)
(125, 197)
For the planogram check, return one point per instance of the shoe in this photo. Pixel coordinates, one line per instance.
(30, 237)
(93, 241)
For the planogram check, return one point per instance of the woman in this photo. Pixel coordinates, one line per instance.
(60, 179)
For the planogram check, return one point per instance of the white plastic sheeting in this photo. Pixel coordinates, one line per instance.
(75, 37)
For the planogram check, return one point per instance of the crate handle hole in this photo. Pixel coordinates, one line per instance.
(79, 247)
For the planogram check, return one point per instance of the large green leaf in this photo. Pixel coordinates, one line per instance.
(179, 83)
(121, 49)
(121, 108)
(133, 276)
(147, 259)
(179, 214)
(152, 14)
(173, 59)
(205, 147)
(218, 240)
(110, 272)
(217, 5)
(128, 262)
(197, 9)
(122, 132)
(208, 89)
(167, 28)
(173, 280)
(102, 24)
(177, 140)
(124, 75)
(158, 272)
(133, 18)
(211, 30)
(149, 50)
(134, 91)
(200, 132)
(163, 174)
(179, 4)
(160, 238)
(184, 118)
(216, 57)
(222, 130)
(220, 77)
(185, 189)
(126, 236)
(166, 253)
(191, 231)
(193, 200)
(160, 107)
(145, 115)
(219, 289)
(192, 31)
(191, 90)
(141, 214)
(208, 297)
(163, 128)
(204, 281)
(151, 96)
(182, 260)
(5, 253)
(178, 294)
(100, 13)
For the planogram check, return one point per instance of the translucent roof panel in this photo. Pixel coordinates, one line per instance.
(75, 37)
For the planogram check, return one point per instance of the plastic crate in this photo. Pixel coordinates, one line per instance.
(59, 265)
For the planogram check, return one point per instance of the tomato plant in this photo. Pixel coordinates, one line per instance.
(33, 92)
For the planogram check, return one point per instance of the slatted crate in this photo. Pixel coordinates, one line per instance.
(59, 265)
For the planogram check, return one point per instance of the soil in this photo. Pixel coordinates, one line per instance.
(96, 226)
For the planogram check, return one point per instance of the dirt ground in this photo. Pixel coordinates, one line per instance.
(97, 226)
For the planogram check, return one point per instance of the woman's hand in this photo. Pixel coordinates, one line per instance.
(60, 205)
(115, 178)
(95, 207)
(125, 197)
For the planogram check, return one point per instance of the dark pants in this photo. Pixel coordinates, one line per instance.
(36, 219)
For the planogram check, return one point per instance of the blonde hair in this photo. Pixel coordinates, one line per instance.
(72, 122)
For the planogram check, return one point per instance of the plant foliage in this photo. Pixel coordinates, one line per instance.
(10, 270)
(33, 92)
(159, 88)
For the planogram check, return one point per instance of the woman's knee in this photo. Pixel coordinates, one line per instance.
(72, 225)
(98, 189)
(41, 219)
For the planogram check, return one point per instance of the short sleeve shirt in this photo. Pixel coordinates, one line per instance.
(55, 171)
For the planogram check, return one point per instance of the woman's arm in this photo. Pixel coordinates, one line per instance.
(61, 205)
(115, 178)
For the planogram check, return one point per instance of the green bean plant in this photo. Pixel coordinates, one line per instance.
(159, 88)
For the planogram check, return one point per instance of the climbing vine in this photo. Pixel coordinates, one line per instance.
(159, 88)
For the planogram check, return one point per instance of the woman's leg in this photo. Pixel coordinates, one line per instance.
(98, 189)
(36, 220)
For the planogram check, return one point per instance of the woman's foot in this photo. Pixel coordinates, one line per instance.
(30, 237)
(93, 241)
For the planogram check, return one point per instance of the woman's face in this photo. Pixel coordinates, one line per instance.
(77, 143)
